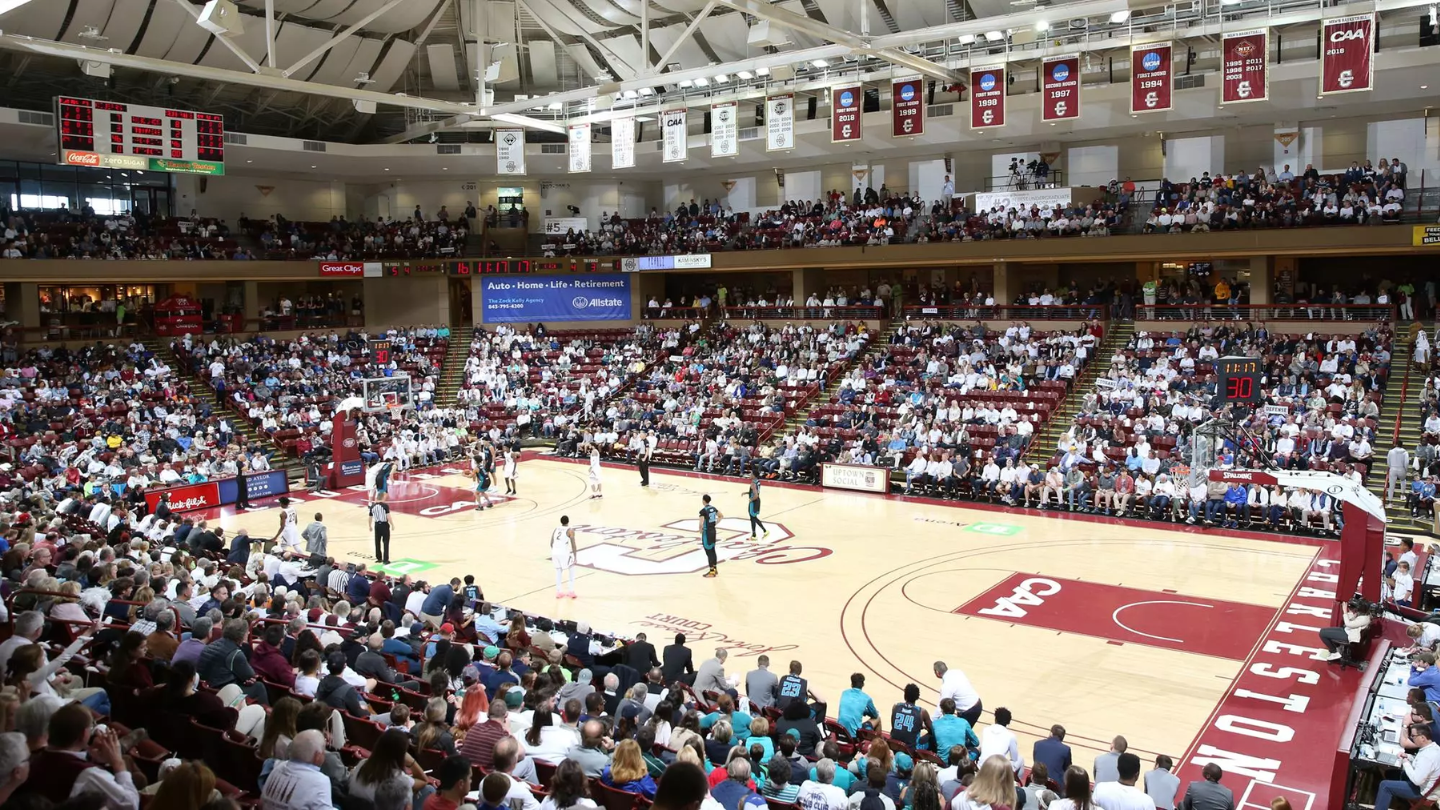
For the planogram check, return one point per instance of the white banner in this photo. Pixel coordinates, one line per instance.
(510, 151)
(861, 479)
(622, 143)
(1005, 200)
(673, 127)
(1100, 382)
(559, 226)
(724, 130)
(579, 148)
(779, 123)
(1277, 410)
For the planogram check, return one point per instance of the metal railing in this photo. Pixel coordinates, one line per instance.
(804, 312)
(1025, 180)
(1265, 312)
(1007, 312)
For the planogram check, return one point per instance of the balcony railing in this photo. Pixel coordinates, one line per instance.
(1265, 312)
(965, 312)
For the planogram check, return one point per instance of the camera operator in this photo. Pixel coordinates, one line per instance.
(1357, 618)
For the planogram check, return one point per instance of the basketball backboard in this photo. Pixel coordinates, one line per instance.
(386, 394)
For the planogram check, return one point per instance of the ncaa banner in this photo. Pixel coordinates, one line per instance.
(779, 123)
(724, 130)
(591, 297)
(622, 143)
(987, 97)
(579, 148)
(907, 109)
(1060, 88)
(510, 151)
(673, 129)
(1347, 63)
(845, 114)
(1151, 75)
(1243, 74)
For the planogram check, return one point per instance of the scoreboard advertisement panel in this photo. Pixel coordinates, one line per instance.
(116, 135)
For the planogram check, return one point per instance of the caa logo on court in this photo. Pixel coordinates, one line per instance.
(907, 92)
(1060, 73)
(987, 82)
(1030, 592)
(1151, 61)
(847, 99)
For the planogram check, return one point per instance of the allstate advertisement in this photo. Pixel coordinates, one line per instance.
(591, 297)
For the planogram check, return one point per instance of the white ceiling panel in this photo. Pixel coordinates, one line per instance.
(628, 49)
(845, 15)
(332, 65)
(392, 65)
(42, 19)
(164, 27)
(561, 19)
(323, 11)
(251, 42)
(542, 62)
(124, 23)
(403, 17)
(94, 13)
(581, 56)
(603, 9)
(362, 61)
(509, 66)
(293, 41)
(190, 42)
(288, 6)
(678, 6)
(726, 34)
(442, 66)
(689, 55)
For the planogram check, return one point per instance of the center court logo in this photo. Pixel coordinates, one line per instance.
(987, 82)
(847, 99)
(907, 92)
(1151, 61)
(676, 549)
(1060, 72)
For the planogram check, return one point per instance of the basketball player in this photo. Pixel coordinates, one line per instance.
(755, 505)
(512, 469)
(289, 534)
(710, 518)
(562, 555)
(379, 483)
(482, 483)
(595, 471)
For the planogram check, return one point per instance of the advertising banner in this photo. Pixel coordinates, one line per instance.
(579, 148)
(1060, 88)
(1425, 235)
(1347, 63)
(674, 129)
(510, 151)
(987, 97)
(724, 130)
(559, 226)
(779, 123)
(860, 479)
(1243, 73)
(1005, 200)
(342, 269)
(188, 497)
(622, 143)
(845, 114)
(594, 297)
(263, 485)
(907, 108)
(1151, 77)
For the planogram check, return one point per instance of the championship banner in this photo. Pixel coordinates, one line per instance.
(987, 97)
(579, 148)
(907, 109)
(1060, 88)
(622, 143)
(1151, 74)
(510, 151)
(673, 129)
(724, 130)
(1243, 74)
(845, 114)
(779, 123)
(1347, 63)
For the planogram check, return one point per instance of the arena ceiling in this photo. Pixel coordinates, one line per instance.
(317, 68)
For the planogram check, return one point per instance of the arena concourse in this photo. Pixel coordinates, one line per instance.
(712, 406)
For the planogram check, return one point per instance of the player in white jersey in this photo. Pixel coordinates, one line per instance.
(562, 555)
(595, 471)
(512, 469)
(289, 535)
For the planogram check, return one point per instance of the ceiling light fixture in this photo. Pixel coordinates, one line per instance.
(312, 166)
(994, 36)
(647, 91)
(1042, 26)
(631, 94)
(744, 75)
(555, 106)
(701, 81)
(820, 63)
(722, 77)
(967, 39)
(686, 83)
(764, 71)
(1120, 16)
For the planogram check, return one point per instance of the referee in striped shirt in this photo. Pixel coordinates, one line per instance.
(381, 520)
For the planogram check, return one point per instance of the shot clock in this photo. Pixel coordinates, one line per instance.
(1239, 379)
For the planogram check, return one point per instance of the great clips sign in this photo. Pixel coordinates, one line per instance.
(342, 269)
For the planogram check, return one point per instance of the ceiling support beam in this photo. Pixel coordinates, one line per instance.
(645, 66)
(338, 38)
(682, 39)
(610, 56)
(226, 41)
(270, 58)
(829, 33)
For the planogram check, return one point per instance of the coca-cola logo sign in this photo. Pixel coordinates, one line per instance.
(187, 498)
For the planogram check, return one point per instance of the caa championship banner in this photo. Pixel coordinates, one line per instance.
(592, 297)
(1347, 63)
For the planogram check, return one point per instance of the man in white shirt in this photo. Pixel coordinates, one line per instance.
(76, 751)
(998, 740)
(957, 687)
(297, 783)
(819, 793)
(1421, 769)
(1124, 795)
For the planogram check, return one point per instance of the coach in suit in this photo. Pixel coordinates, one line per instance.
(640, 654)
(1209, 794)
(1053, 752)
(677, 664)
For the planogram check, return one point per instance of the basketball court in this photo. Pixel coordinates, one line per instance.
(1105, 627)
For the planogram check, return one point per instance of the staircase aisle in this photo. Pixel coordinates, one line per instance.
(822, 397)
(1046, 440)
(1407, 407)
(452, 376)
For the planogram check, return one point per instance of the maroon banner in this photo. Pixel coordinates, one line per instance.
(1243, 70)
(1060, 88)
(188, 497)
(845, 114)
(987, 97)
(1151, 74)
(1347, 64)
(352, 269)
(907, 109)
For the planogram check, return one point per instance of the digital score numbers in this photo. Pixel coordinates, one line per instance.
(1239, 380)
(114, 135)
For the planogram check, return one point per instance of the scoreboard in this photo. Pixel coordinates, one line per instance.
(116, 135)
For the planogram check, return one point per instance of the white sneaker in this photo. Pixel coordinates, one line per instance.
(1334, 656)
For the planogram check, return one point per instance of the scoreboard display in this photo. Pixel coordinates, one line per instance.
(116, 135)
